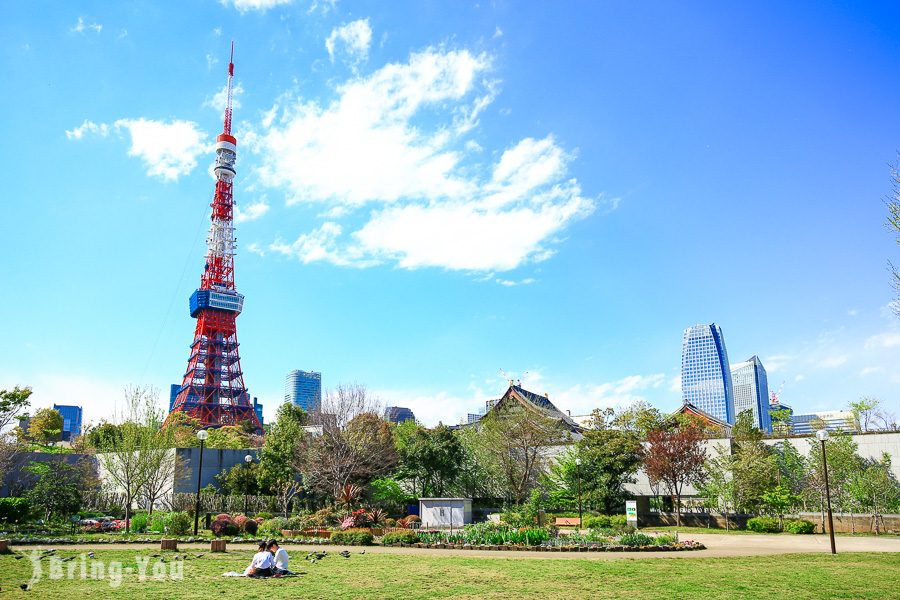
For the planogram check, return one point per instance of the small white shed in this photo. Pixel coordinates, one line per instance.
(442, 513)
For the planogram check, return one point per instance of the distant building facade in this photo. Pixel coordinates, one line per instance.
(174, 389)
(71, 416)
(398, 414)
(751, 392)
(835, 420)
(776, 406)
(304, 388)
(706, 373)
(258, 409)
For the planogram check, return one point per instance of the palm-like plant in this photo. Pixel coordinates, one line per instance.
(377, 517)
(349, 495)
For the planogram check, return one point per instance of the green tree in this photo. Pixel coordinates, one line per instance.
(56, 493)
(718, 487)
(843, 464)
(387, 492)
(781, 421)
(753, 466)
(240, 479)
(610, 452)
(876, 489)
(790, 467)
(480, 475)
(13, 404)
(45, 426)
(430, 459)
(779, 500)
(277, 458)
(228, 437)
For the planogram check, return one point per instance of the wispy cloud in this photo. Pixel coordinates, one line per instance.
(888, 339)
(218, 100)
(88, 127)
(353, 38)
(81, 26)
(248, 5)
(252, 211)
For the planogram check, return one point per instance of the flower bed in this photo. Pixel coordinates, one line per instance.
(671, 547)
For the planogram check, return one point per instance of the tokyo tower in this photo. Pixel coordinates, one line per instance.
(212, 390)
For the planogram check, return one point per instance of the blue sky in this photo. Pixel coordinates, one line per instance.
(431, 192)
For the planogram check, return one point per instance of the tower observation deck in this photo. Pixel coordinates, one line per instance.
(212, 390)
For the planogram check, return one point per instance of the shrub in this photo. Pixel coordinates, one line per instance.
(224, 527)
(139, 523)
(240, 521)
(264, 515)
(407, 521)
(180, 523)
(618, 522)
(353, 537)
(799, 526)
(377, 517)
(158, 523)
(222, 516)
(296, 523)
(389, 522)
(273, 526)
(598, 522)
(636, 539)
(251, 527)
(763, 525)
(400, 537)
(14, 510)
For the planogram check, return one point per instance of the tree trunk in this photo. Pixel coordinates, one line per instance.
(678, 510)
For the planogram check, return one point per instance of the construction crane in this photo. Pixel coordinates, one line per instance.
(776, 396)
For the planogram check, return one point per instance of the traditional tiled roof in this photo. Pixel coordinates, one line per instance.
(540, 402)
(688, 407)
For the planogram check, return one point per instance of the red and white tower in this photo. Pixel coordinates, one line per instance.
(213, 388)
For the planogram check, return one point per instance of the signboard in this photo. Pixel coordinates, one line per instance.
(631, 512)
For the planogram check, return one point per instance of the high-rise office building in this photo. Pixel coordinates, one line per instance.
(705, 372)
(834, 420)
(398, 414)
(751, 392)
(304, 388)
(71, 416)
(258, 409)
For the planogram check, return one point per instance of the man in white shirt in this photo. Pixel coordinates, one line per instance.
(261, 564)
(280, 558)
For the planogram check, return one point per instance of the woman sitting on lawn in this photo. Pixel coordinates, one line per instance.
(261, 564)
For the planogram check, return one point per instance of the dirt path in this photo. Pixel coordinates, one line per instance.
(718, 545)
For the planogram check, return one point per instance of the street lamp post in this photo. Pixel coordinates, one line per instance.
(201, 435)
(247, 460)
(578, 479)
(822, 435)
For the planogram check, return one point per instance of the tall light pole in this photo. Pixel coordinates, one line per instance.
(822, 435)
(578, 479)
(201, 435)
(247, 460)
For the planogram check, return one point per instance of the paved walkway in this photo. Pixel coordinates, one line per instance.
(718, 545)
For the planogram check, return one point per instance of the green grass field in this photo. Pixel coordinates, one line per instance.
(422, 576)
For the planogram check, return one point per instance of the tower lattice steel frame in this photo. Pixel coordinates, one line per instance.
(213, 390)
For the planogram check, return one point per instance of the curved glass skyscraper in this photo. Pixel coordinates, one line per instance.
(705, 372)
(304, 388)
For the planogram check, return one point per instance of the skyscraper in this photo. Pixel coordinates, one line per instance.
(751, 392)
(398, 414)
(71, 420)
(705, 372)
(304, 388)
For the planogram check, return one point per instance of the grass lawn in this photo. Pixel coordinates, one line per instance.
(420, 576)
(713, 531)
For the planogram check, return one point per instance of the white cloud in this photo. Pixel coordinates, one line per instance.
(252, 212)
(497, 33)
(832, 362)
(582, 399)
(81, 26)
(511, 282)
(354, 37)
(247, 5)
(220, 98)
(675, 384)
(211, 61)
(799, 378)
(253, 248)
(888, 339)
(101, 129)
(777, 362)
(169, 150)
(371, 146)
(869, 371)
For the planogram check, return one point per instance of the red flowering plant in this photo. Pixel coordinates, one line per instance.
(358, 518)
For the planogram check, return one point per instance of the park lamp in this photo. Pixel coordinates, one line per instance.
(202, 435)
(822, 435)
(248, 459)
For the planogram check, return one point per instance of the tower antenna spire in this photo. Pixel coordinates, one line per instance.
(227, 128)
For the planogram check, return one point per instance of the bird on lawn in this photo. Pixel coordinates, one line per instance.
(90, 555)
(24, 587)
(67, 559)
(154, 556)
(20, 557)
(363, 551)
(201, 554)
(345, 554)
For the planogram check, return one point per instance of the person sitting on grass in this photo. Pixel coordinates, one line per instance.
(261, 564)
(280, 557)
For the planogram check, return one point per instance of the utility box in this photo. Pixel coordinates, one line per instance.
(445, 513)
